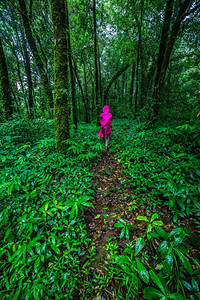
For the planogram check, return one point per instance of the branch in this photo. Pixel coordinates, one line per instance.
(113, 78)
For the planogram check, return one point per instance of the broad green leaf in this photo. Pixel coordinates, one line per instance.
(37, 264)
(178, 239)
(171, 202)
(118, 225)
(187, 285)
(7, 233)
(128, 250)
(126, 233)
(195, 285)
(185, 261)
(73, 211)
(142, 218)
(176, 296)
(163, 248)
(152, 293)
(162, 233)
(158, 223)
(168, 264)
(122, 221)
(139, 245)
(122, 259)
(154, 216)
(122, 232)
(142, 271)
(176, 231)
(157, 281)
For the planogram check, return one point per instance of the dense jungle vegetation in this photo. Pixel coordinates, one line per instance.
(78, 221)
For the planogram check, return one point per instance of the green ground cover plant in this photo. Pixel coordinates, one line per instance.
(42, 224)
(43, 236)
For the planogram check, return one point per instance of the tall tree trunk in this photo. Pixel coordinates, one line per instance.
(132, 84)
(58, 11)
(72, 79)
(28, 74)
(138, 55)
(167, 39)
(113, 78)
(82, 93)
(100, 79)
(5, 88)
(161, 53)
(38, 60)
(87, 118)
(96, 61)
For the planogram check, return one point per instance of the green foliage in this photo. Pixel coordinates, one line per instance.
(163, 165)
(125, 228)
(150, 223)
(42, 241)
(177, 275)
(43, 193)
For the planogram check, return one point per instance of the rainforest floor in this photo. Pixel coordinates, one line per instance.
(113, 199)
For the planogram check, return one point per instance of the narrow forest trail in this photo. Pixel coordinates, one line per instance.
(114, 199)
(111, 202)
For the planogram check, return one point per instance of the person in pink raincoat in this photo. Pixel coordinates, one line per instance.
(106, 126)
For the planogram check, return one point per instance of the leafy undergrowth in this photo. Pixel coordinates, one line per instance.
(42, 232)
(87, 225)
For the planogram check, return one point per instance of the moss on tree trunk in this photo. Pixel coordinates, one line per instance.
(5, 88)
(58, 11)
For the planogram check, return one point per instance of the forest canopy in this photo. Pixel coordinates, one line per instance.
(140, 57)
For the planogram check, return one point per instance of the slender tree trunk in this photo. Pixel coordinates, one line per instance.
(138, 55)
(29, 77)
(5, 88)
(96, 61)
(82, 93)
(87, 118)
(72, 79)
(100, 80)
(38, 60)
(58, 11)
(132, 83)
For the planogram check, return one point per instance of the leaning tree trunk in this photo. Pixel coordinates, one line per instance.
(161, 53)
(72, 79)
(5, 88)
(38, 60)
(58, 11)
(169, 41)
(113, 78)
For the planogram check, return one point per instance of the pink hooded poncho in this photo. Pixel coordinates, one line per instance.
(105, 121)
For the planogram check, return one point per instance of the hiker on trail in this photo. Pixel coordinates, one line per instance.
(106, 126)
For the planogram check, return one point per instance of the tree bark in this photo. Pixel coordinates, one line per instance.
(58, 11)
(5, 91)
(72, 79)
(38, 60)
